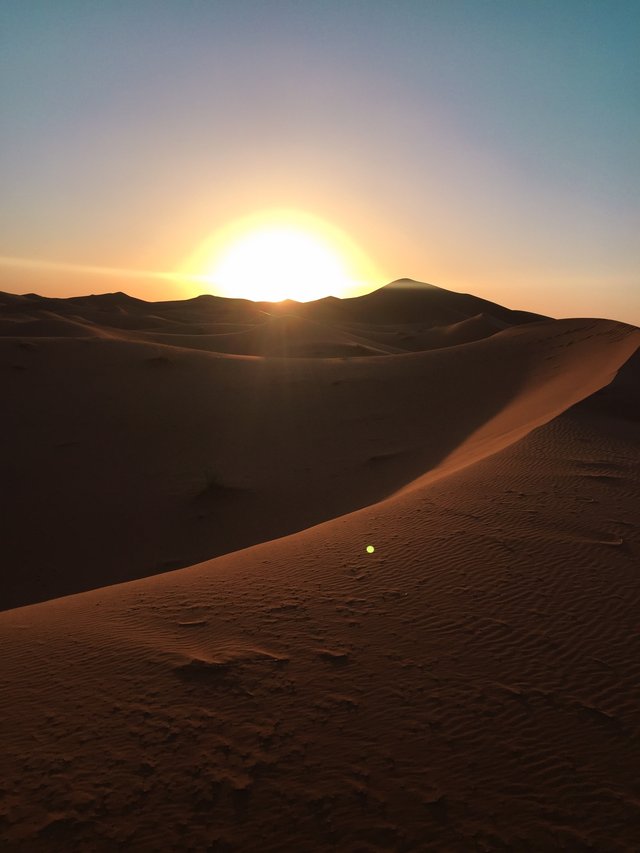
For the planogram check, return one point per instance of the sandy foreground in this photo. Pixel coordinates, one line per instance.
(472, 684)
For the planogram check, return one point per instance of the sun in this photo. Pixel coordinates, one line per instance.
(280, 262)
(278, 255)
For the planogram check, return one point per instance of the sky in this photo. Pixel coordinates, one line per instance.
(486, 146)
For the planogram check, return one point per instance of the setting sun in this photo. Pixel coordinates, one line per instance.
(282, 255)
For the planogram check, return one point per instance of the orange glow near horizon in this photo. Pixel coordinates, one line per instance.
(282, 254)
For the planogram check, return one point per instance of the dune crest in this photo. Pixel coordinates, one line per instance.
(471, 683)
(171, 453)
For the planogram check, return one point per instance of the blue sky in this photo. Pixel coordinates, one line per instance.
(491, 147)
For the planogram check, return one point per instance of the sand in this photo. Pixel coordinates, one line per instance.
(473, 684)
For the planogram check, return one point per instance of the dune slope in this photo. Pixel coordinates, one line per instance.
(136, 458)
(470, 684)
(473, 684)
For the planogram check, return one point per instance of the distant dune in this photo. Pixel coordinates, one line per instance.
(472, 684)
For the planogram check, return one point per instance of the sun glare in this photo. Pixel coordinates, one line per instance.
(282, 255)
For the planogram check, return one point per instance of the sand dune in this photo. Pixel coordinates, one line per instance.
(401, 316)
(278, 335)
(166, 456)
(471, 685)
(408, 301)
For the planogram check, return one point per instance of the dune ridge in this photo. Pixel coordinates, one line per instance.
(216, 451)
(470, 685)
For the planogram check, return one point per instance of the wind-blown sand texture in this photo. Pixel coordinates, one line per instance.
(471, 685)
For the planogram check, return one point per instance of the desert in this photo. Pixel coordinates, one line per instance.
(201, 653)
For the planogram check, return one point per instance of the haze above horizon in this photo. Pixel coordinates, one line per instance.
(489, 148)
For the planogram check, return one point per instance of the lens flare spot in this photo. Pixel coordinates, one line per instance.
(370, 549)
